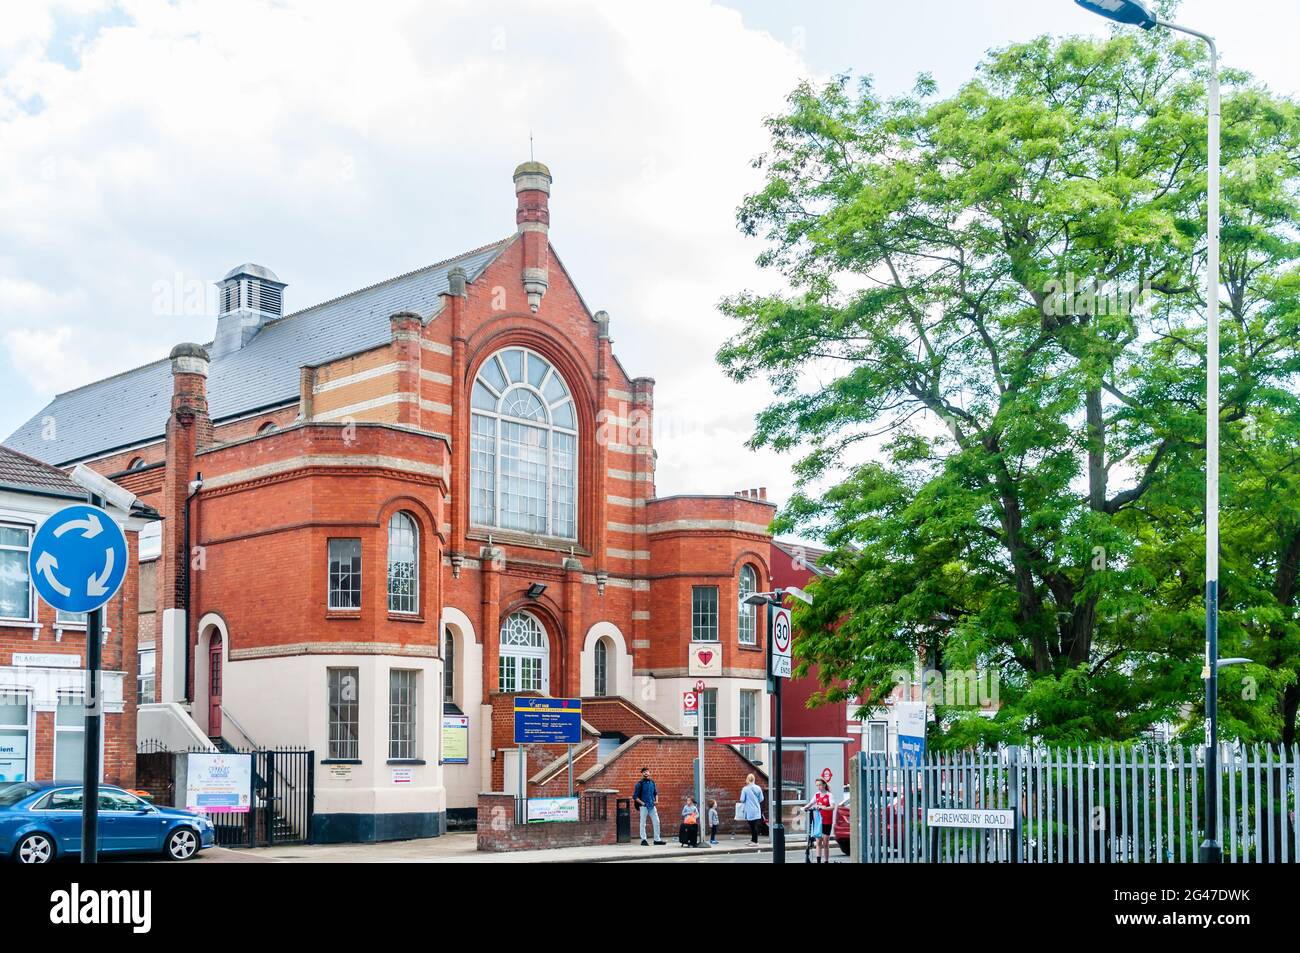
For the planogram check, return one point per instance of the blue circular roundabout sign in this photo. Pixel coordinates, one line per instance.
(78, 558)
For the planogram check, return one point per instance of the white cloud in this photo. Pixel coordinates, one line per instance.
(340, 144)
(44, 357)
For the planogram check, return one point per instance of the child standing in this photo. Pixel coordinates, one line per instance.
(713, 823)
(690, 832)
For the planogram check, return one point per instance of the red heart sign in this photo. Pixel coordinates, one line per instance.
(705, 656)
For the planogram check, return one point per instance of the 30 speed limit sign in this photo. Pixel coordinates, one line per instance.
(781, 643)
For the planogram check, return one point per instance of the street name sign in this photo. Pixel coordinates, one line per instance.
(78, 558)
(548, 721)
(970, 817)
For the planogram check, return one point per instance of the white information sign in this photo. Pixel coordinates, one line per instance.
(545, 810)
(218, 783)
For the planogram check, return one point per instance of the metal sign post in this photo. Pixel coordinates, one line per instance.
(699, 776)
(77, 563)
(545, 721)
(775, 805)
(778, 641)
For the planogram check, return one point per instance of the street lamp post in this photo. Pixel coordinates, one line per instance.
(1137, 13)
(775, 600)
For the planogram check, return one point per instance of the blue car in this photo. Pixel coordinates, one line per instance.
(41, 820)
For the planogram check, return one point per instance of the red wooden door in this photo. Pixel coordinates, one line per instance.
(214, 687)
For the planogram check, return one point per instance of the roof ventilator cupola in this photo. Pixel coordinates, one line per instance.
(250, 296)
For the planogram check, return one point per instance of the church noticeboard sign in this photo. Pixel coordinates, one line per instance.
(455, 739)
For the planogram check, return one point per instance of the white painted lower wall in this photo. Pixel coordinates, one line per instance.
(284, 701)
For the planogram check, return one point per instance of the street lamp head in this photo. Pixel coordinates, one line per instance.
(101, 486)
(758, 599)
(1135, 12)
(799, 594)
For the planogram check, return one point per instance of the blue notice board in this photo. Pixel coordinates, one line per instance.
(548, 721)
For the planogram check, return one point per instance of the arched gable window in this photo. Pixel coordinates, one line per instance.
(403, 564)
(136, 463)
(523, 447)
(524, 665)
(747, 618)
(268, 427)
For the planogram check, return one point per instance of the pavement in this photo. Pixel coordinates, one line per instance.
(462, 848)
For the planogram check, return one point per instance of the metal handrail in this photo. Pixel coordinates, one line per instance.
(225, 713)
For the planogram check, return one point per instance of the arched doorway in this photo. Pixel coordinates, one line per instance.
(214, 686)
(525, 661)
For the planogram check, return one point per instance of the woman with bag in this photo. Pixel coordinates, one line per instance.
(751, 807)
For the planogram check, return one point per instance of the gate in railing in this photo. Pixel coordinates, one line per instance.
(1074, 805)
(282, 797)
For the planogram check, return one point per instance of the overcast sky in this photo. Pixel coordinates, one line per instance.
(340, 144)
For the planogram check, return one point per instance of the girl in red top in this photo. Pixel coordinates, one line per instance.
(822, 818)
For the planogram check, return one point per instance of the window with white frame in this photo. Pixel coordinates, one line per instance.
(749, 720)
(145, 676)
(69, 737)
(877, 737)
(709, 712)
(525, 655)
(448, 666)
(70, 618)
(523, 447)
(403, 564)
(15, 736)
(15, 582)
(345, 574)
(747, 617)
(601, 662)
(403, 686)
(704, 613)
(344, 714)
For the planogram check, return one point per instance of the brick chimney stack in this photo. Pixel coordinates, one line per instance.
(189, 429)
(533, 217)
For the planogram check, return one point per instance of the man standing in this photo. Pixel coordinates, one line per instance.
(644, 795)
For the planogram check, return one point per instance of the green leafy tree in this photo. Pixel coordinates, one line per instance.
(997, 301)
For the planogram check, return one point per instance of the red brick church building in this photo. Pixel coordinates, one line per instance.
(406, 505)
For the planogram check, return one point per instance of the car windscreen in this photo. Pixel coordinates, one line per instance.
(12, 793)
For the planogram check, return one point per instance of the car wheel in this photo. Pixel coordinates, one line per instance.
(182, 844)
(844, 845)
(34, 849)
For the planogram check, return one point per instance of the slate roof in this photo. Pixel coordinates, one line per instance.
(21, 472)
(132, 407)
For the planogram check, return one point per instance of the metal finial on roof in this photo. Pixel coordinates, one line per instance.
(531, 158)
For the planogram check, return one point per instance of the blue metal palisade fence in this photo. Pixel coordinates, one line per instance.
(1112, 804)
